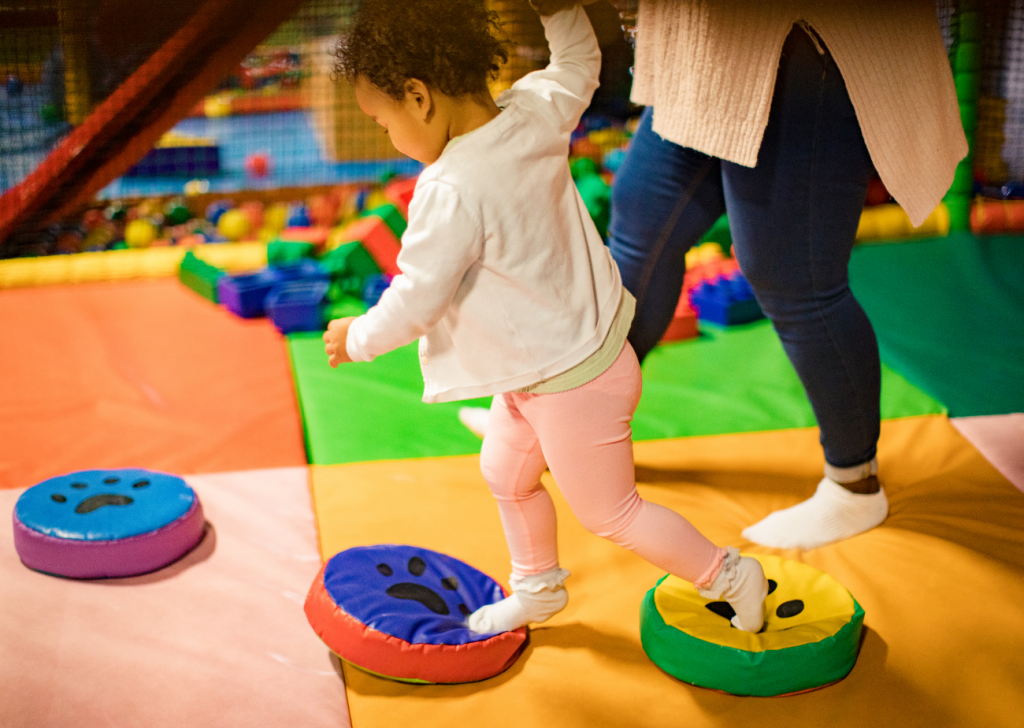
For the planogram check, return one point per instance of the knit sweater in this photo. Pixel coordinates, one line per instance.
(708, 68)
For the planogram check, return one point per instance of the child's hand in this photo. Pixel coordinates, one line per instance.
(335, 338)
(550, 7)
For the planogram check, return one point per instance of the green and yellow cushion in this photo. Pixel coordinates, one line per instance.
(810, 638)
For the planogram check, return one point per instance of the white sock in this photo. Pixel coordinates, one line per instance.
(533, 599)
(831, 514)
(475, 419)
(742, 583)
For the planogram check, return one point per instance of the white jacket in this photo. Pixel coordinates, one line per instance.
(505, 280)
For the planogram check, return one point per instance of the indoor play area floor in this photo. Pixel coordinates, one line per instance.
(294, 461)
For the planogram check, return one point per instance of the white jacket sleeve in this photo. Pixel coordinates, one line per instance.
(571, 77)
(442, 241)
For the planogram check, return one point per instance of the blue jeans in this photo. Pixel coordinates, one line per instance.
(793, 220)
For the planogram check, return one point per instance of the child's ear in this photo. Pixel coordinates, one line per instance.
(418, 94)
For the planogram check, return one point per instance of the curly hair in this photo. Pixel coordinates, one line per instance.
(455, 46)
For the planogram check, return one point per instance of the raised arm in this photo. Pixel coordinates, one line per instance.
(570, 79)
(443, 240)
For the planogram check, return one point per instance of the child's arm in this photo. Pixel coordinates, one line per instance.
(443, 240)
(571, 77)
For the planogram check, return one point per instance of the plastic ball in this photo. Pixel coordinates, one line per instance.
(323, 209)
(614, 159)
(197, 187)
(175, 213)
(140, 233)
(92, 219)
(69, 241)
(233, 224)
(1013, 191)
(51, 113)
(115, 211)
(192, 240)
(99, 237)
(215, 209)
(360, 199)
(258, 164)
(299, 216)
(254, 211)
(275, 217)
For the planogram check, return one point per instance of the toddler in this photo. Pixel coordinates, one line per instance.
(511, 292)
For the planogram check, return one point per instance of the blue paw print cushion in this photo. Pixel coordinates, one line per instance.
(400, 612)
(106, 523)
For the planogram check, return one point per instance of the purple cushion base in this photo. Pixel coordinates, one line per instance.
(130, 556)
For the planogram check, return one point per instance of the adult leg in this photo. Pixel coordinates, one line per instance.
(664, 198)
(794, 219)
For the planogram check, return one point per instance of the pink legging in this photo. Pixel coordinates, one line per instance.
(584, 437)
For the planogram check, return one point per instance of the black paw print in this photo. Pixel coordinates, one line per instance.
(787, 609)
(420, 592)
(100, 500)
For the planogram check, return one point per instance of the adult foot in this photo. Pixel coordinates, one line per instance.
(835, 512)
(534, 599)
(475, 419)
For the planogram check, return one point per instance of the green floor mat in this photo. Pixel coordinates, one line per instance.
(949, 314)
(372, 411)
(729, 380)
(740, 380)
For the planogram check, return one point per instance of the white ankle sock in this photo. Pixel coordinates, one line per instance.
(533, 599)
(742, 583)
(831, 514)
(475, 419)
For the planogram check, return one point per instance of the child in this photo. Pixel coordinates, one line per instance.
(511, 292)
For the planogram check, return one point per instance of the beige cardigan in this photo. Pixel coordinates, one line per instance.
(708, 68)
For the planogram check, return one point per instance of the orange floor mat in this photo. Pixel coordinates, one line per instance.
(942, 584)
(140, 373)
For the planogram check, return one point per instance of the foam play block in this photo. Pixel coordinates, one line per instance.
(399, 192)
(296, 306)
(246, 295)
(200, 276)
(391, 216)
(379, 241)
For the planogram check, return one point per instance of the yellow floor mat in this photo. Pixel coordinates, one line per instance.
(942, 583)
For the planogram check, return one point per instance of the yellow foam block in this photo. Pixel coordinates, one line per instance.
(113, 265)
(942, 583)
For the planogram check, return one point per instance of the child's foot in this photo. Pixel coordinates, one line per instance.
(533, 599)
(742, 583)
(475, 419)
(831, 514)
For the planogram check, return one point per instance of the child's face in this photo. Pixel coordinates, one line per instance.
(411, 123)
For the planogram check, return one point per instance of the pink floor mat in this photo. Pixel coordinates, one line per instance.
(1000, 438)
(218, 638)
